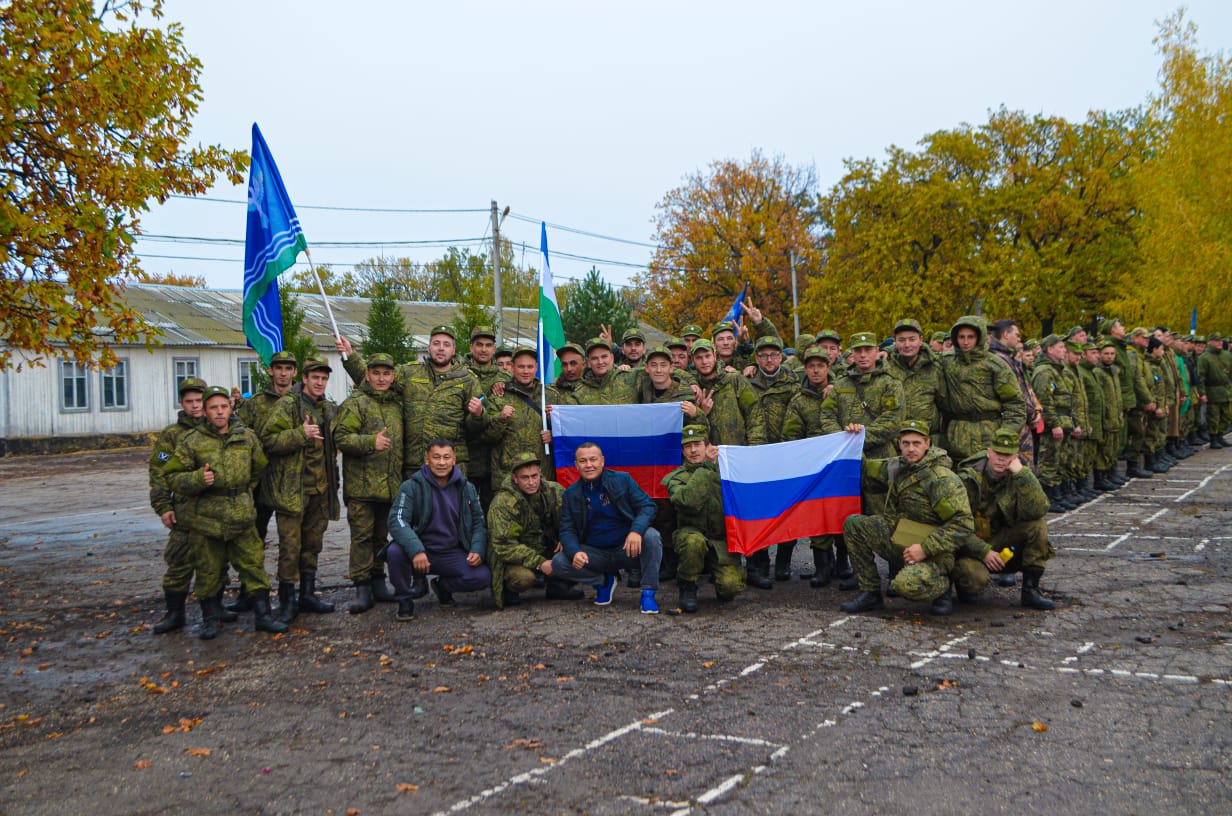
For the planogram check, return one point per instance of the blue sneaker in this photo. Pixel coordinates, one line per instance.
(649, 605)
(604, 591)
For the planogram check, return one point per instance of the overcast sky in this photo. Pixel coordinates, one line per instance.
(584, 114)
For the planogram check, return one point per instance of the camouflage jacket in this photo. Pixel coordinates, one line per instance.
(478, 449)
(256, 409)
(1134, 391)
(1055, 394)
(226, 508)
(736, 417)
(1022, 375)
(1157, 378)
(522, 530)
(773, 395)
(520, 432)
(998, 504)
(979, 386)
(563, 392)
(1081, 413)
(927, 492)
(1114, 413)
(873, 399)
(369, 474)
(616, 388)
(923, 387)
(803, 417)
(696, 495)
(284, 441)
(1213, 380)
(162, 497)
(1097, 408)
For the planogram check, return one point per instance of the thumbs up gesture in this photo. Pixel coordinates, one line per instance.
(382, 442)
(311, 430)
(207, 475)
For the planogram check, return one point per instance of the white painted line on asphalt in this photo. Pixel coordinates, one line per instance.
(692, 735)
(758, 666)
(1117, 541)
(928, 657)
(1086, 647)
(718, 790)
(1201, 484)
(653, 803)
(1155, 515)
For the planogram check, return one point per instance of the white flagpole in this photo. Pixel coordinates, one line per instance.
(543, 386)
(321, 289)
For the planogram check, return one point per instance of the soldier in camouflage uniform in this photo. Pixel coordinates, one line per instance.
(1097, 412)
(368, 432)
(1074, 464)
(572, 363)
(1136, 398)
(303, 485)
(921, 488)
(680, 360)
(700, 539)
(253, 412)
(1055, 393)
(1215, 390)
(1114, 418)
(1009, 508)
(524, 534)
(603, 383)
(515, 424)
(795, 361)
(632, 348)
(215, 467)
(177, 580)
(1005, 341)
(480, 362)
(981, 392)
(916, 368)
(503, 358)
(1156, 423)
(727, 400)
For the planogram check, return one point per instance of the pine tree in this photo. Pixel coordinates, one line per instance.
(386, 327)
(293, 338)
(592, 304)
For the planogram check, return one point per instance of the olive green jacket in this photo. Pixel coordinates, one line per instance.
(369, 474)
(998, 504)
(517, 434)
(696, 494)
(162, 497)
(616, 388)
(979, 386)
(927, 492)
(1213, 380)
(1097, 406)
(226, 508)
(736, 417)
(803, 419)
(773, 395)
(1055, 393)
(284, 441)
(923, 385)
(873, 399)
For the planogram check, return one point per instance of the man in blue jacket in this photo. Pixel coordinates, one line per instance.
(605, 527)
(437, 527)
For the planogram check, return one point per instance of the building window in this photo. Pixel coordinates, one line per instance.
(73, 394)
(248, 374)
(114, 387)
(185, 367)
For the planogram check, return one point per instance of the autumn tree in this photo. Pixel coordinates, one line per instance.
(172, 279)
(738, 221)
(594, 303)
(335, 284)
(96, 113)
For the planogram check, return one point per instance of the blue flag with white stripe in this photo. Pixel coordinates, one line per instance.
(737, 308)
(273, 241)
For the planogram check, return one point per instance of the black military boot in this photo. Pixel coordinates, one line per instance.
(758, 569)
(263, 618)
(1072, 495)
(688, 596)
(842, 564)
(288, 607)
(1088, 490)
(406, 610)
(558, 590)
(364, 597)
(1154, 464)
(1031, 597)
(381, 593)
(419, 586)
(175, 617)
(1054, 506)
(308, 600)
(864, 602)
(1117, 478)
(211, 618)
(1218, 442)
(943, 605)
(1135, 470)
(782, 561)
(242, 603)
(823, 567)
(227, 615)
(1063, 496)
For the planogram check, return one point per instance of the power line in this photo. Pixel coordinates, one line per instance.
(431, 242)
(587, 233)
(214, 200)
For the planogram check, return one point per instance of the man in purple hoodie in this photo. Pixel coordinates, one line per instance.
(437, 527)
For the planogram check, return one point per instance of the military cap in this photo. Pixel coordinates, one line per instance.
(803, 341)
(1050, 341)
(1032, 344)
(480, 331)
(722, 327)
(914, 426)
(675, 342)
(691, 330)
(522, 460)
(1004, 441)
(316, 364)
(520, 350)
(380, 358)
(862, 340)
(940, 336)
(701, 344)
(1214, 336)
(1073, 331)
(692, 433)
(1140, 331)
(283, 357)
(908, 324)
(192, 384)
(506, 350)
(829, 334)
(597, 342)
(1106, 324)
(632, 334)
(659, 351)
(1089, 346)
(768, 342)
(1198, 338)
(815, 352)
(1105, 343)
(574, 347)
(216, 391)
(1076, 348)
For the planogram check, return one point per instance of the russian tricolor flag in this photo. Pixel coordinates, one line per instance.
(789, 490)
(641, 440)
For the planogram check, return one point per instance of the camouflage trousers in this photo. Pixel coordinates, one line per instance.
(264, 514)
(823, 543)
(1135, 432)
(965, 438)
(1217, 416)
(178, 557)
(301, 537)
(242, 550)
(1156, 428)
(368, 521)
(1050, 461)
(694, 551)
(1106, 450)
(1081, 459)
(868, 537)
(1031, 547)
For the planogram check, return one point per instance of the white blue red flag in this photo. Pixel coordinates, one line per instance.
(789, 490)
(641, 440)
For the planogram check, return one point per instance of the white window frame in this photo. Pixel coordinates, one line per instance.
(77, 372)
(176, 378)
(117, 374)
(247, 367)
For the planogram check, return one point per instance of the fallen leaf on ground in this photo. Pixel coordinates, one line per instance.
(199, 752)
(406, 787)
(564, 679)
(1039, 726)
(441, 690)
(142, 764)
(708, 664)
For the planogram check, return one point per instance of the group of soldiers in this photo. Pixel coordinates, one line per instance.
(970, 439)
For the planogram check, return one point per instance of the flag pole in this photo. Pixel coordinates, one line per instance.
(321, 289)
(543, 387)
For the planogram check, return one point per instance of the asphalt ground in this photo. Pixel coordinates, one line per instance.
(1116, 702)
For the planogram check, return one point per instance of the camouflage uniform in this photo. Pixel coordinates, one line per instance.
(1135, 395)
(1056, 397)
(1215, 384)
(1156, 427)
(1071, 463)
(370, 478)
(563, 392)
(616, 388)
(700, 539)
(1097, 410)
(737, 417)
(177, 555)
(523, 531)
(923, 385)
(773, 394)
(478, 448)
(1109, 446)
(873, 399)
(1026, 437)
(253, 412)
(517, 434)
(927, 492)
(981, 395)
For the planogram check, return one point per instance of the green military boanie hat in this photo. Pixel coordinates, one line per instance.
(192, 384)
(481, 331)
(632, 334)
(523, 459)
(675, 342)
(283, 357)
(722, 327)
(914, 426)
(829, 334)
(506, 350)
(691, 330)
(1005, 441)
(216, 391)
(520, 350)
(692, 433)
(380, 358)
(908, 324)
(442, 329)
(574, 347)
(597, 342)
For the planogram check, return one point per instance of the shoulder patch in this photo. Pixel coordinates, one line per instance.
(164, 456)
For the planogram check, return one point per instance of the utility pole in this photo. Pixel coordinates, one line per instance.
(496, 274)
(795, 302)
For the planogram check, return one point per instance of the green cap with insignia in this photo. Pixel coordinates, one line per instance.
(483, 331)
(908, 324)
(862, 340)
(659, 351)
(675, 342)
(442, 329)
(1140, 331)
(722, 327)
(283, 357)
(192, 384)
(520, 350)
(573, 347)
(1106, 324)
(597, 342)
(692, 433)
(803, 341)
(523, 459)
(506, 350)
(1214, 336)
(1199, 338)
(768, 342)
(316, 364)
(632, 334)
(1105, 342)
(701, 344)
(1073, 347)
(914, 426)
(1031, 344)
(215, 391)
(691, 330)
(940, 336)
(829, 334)
(815, 353)
(1089, 346)
(1005, 441)
(380, 358)
(1073, 331)
(1050, 341)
